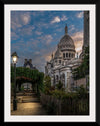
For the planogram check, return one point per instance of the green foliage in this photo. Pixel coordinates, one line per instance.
(47, 81)
(58, 94)
(81, 92)
(47, 85)
(29, 75)
(51, 108)
(63, 95)
(59, 86)
(12, 85)
(22, 88)
(83, 69)
(40, 80)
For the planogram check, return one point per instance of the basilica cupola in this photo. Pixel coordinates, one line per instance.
(66, 45)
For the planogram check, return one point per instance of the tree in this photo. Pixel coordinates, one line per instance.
(47, 84)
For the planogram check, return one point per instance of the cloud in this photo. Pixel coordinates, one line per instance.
(46, 39)
(49, 52)
(14, 36)
(37, 52)
(64, 18)
(58, 19)
(38, 32)
(71, 28)
(55, 20)
(15, 25)
(25, 18)
(26, 30)
(19, 18)
(59, 29)
(78, 40)
(79, 15)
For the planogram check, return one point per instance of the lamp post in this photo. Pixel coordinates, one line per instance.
(14, 59)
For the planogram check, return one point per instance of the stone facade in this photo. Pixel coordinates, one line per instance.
(62, 62)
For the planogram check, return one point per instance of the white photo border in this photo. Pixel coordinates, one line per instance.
(7, 55)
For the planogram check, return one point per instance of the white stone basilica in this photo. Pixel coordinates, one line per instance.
(61, 64)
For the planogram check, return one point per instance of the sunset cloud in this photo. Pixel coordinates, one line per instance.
(78, 40)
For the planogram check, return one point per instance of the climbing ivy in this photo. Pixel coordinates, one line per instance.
(25, 74)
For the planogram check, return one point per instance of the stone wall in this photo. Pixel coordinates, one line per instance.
(80, 82)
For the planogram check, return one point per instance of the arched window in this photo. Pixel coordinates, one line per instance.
(63, 76)
(63, 55)
(72, 55)
(69, 54)
(59, 61)
(56, 77)
(66, 54)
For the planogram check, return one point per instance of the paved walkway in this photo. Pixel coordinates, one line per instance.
(29, 106)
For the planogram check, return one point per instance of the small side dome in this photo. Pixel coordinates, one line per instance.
(57, 54)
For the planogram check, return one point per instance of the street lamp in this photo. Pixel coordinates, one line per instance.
(14, 59)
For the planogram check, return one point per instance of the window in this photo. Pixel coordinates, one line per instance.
(66, 54)
(59, 61)
(63, 55)
(56, 77)
(69, 54)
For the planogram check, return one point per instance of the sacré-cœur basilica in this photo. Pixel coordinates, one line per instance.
(64, 61)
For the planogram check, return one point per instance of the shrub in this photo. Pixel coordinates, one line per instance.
(59, 86)
(81, 92)
(51, 108)
(58, 93)
(22, 88)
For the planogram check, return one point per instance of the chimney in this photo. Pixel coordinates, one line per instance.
(30, 60)
(25, 61)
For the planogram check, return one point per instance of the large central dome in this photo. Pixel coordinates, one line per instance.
(66, 42)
